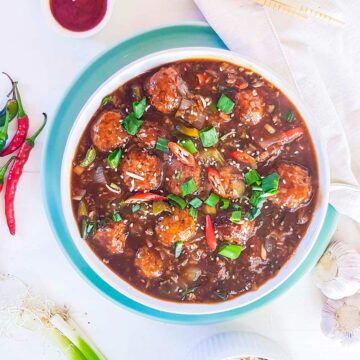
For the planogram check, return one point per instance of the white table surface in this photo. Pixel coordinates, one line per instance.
(46, 63)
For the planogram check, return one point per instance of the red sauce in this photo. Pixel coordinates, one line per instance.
(78, 15)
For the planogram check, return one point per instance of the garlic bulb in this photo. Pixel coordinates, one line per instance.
(338, 272)
(341, 319)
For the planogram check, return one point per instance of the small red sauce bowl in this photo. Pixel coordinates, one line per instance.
(77, 18)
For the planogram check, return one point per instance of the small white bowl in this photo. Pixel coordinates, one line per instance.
(122, 76)
(45, 4)
(237, 345)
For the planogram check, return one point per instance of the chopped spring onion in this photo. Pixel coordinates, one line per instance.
(106, 100)
(225, 104)
(209, 136)
(230, 251)
(236, 217)
(160, 206)
(87, 228)
(139, 107)
(212, 154)
(290, 116)
(114, 158)
(193, 212)
(212, 200)
(188, 187)
(257, 199)
(195, 202)
(162, 144)
(188, 145)
(177, 201)
(252, 177)
(116, 217)
(270, 183)
(225, 203)
(178, 248)
(135, 208)
(89, 157)
(178, 175)
(255, 212)
(188, 131)
(131, 124)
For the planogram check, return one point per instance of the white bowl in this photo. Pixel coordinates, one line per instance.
(123, 75)
(237, 345)
(45, 4)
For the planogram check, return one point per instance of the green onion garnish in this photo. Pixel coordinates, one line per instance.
(178, 175)
(212, 200)
(236, 217)
(195, 202)
(225, 104)
(255, 212)
(114, 158)
(225, 203)
(84, 223)
(178, 248)
(188, 145)
(193, 212)
(208, 136)
(139, 107)
(290, 116)
(252, 177)
(177, 201)
(162, 144)
(135, 208)
(131, 124)
(230, 251)
(257, 199)
(270, 183)
(188, 187)
(116, 217)
(89, 157)
(106, 100)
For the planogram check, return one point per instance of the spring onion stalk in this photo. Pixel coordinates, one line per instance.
(77, 337)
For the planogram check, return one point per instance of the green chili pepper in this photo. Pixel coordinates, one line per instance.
(12, 107)
(4, 130)
(89, 157)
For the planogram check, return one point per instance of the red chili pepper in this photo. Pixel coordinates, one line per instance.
(15, 174)
(143, 197)
(182, 154)
(215, 181)
(3, 170)
(210, 233)
(22, 129)
(243, 157)
(282, 138)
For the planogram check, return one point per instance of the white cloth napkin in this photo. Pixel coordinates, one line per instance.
(321, 61)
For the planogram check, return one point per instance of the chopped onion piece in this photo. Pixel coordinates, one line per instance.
(135, 176)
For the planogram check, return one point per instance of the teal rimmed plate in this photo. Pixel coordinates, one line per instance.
(93, 76)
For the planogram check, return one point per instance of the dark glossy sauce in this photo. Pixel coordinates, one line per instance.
(78, 15)
(198, 274)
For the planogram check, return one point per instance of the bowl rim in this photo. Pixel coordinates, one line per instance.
(55, 25)
(135, 68)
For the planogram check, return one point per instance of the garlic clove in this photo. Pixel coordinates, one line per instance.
(337, 273)
(341, 319)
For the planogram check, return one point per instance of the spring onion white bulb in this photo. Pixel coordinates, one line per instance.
(22, 308)
(338, 272)
(341, 319)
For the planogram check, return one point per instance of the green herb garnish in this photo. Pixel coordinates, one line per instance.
(236, 217)
(114, 158)
(230, 251)
(195, 202)
(225, 203)
(208, 137)
(270, 183)
(177, 201)
(139, 107)
(193, 212)
(290, 116)
(89, 157)
(116, 217)
(135, 208)
(188, 187)
(252, 177)
(225, 104)
(106, 100)
(131, 124)
(178, 248)
(188, 145)
(162, 144)
(212, 200)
